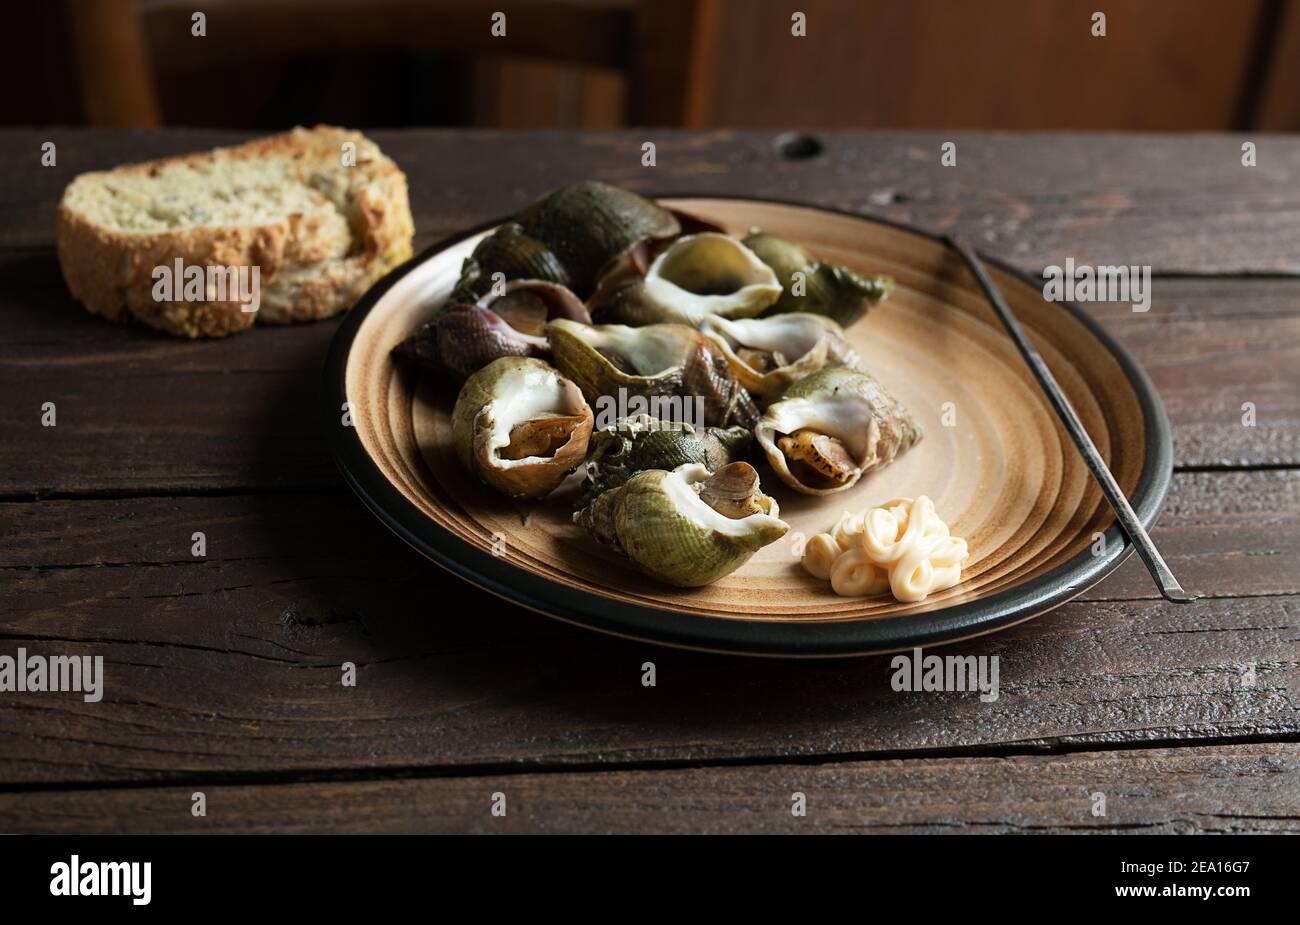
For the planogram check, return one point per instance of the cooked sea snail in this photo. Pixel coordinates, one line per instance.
(512, 253)
(768, 355)
(463, 338)
(696, 277)
(831, 427)
(635, 444)
(655, 362)
(567, 237)
(520, 426)
(687, 527)
(823, 288)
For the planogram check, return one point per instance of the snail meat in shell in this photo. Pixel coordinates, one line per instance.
(823, 288)
(830, 428)
(658, 360)
(635, 444)
(520, 426)
(687, 527)
(696, 277)
(768, 355)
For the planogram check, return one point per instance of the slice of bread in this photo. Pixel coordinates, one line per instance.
(320, 231)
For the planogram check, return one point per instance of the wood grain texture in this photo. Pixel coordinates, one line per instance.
(1240, 789)
(231, 665)
(1179, 204)
(226, 671)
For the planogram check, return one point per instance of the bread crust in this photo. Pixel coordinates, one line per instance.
(313, 264)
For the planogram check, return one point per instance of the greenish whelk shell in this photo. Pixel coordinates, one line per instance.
(566, 237)
(588, 224)
(661, 521)
(635, 444)
(654, 362)
(827, 289)
(847, 405)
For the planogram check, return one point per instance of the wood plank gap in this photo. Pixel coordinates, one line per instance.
(308, 487)
(1027, 749)
(1235, 467)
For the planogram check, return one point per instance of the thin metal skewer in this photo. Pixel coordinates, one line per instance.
(1128, 519)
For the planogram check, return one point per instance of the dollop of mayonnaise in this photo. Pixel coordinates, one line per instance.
(902, 546)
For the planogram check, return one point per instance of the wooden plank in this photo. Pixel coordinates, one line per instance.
(964, 65)
(529, 94)
(138, 411)
(1178, 204)
(1230, 789)
(1277, 108)
(1225, 534)
(1225, 358)
(1238, 533)
(114, 66)
(676, 54)
(232, 664)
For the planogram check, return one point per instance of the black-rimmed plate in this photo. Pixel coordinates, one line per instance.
(998, 465)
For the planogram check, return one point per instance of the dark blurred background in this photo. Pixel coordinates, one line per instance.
(1208, 65)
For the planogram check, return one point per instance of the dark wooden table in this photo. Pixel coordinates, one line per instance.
(222, 674)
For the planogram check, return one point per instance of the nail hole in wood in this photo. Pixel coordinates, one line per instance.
(796, 146)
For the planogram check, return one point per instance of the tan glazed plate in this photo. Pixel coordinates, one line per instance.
(1000, 468)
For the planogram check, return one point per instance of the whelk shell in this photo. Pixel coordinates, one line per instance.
(635, 444)
(822, 288)
(830, 428)
(462, 339)
(587, 225)
(768, 355)
(696, 277)
(687, 527)
(658, 360)
(520, 426)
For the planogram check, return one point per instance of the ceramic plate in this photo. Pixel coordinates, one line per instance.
(1000, 468)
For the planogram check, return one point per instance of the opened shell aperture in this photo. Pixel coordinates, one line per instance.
(830, 428)
(658, 360)
(688, 527)
(768, 355)
(520, 426)
(695, 277)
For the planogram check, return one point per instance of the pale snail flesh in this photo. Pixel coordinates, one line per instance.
(831, 427)
(520, 426)
(768, 355)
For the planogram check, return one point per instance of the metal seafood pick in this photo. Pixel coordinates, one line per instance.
(1128, 519)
